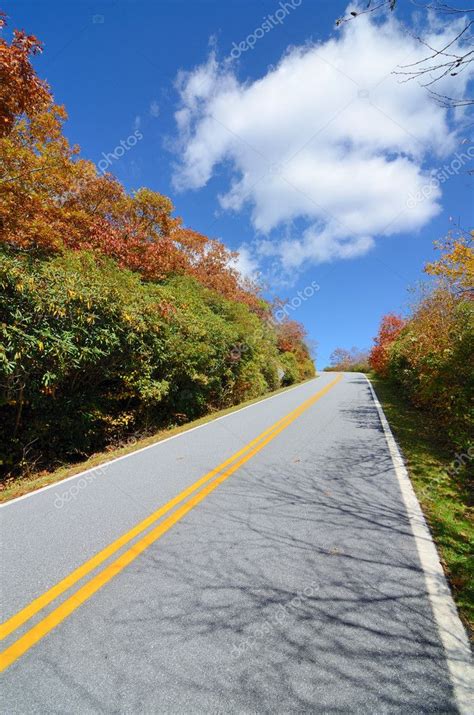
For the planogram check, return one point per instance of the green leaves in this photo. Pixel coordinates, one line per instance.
(431, 360)
(89, 352)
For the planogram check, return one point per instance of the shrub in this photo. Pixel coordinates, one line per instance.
(390, 327)
(90, 353)
(290, 367)
(114, 316)
(429, 356)
(431, 361)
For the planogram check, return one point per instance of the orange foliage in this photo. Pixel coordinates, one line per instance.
(290, 339)
(456, 265)
(21, 92)
(49, 198)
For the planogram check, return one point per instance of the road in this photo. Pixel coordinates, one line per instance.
(288, 579)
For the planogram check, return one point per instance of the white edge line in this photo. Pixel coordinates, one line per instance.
(452, 633)
(104, 465)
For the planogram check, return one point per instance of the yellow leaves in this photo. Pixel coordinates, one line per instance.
(457, 264)
(40, 346)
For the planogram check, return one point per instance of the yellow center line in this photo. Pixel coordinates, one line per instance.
(37, 632)
(58, 589)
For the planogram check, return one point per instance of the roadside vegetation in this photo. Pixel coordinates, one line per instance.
(353, 360)
(423, 374)
(442, 479)
(421, 366)
(116, 319)
(20, 484)
(428, 354)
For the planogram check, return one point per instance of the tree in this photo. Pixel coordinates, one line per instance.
(51, 199)
(340, 358)
(354, 359)
(431, 361)
(21, 91)
(429, 356)
(390, 328)
(456, 265)
(451, 60)
(115, 317)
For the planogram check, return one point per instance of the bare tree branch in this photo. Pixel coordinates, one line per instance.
(441, 62)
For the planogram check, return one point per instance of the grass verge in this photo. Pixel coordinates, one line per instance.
(18, 486)
(445, 497)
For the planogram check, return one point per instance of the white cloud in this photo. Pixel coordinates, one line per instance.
(246, 264)
(329, 138)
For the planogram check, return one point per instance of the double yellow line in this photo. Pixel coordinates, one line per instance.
(208, 482)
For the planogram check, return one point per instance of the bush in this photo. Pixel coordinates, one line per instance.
(290, 367)
(431, 361)
(90, 353)
(390, 327)
(429, 356)
(115, 317)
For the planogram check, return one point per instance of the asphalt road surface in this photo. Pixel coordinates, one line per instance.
(262, 563)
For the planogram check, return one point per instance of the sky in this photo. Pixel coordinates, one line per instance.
(289, 139)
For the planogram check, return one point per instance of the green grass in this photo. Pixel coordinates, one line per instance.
(446, 499)
(18, 486)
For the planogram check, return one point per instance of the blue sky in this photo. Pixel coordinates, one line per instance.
(132, 65)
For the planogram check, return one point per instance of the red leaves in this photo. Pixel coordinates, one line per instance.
(21, 91)
(290, 335)
(390, 327)
(50, 198)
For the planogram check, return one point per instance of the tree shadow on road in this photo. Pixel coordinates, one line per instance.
(295, 587)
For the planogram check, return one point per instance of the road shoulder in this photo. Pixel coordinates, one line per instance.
(451, 629)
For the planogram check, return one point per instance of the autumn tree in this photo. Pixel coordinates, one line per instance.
(354, 359)
(390, 328)
(21, 91)
(51, 199)
(340, 358)
(456, 266)
(115, 317)
(429, 355)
